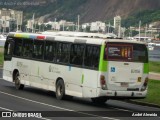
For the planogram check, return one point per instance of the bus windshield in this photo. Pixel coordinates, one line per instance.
(128, 52)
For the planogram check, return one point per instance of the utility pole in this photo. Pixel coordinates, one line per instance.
(145, 31)
(33, 23)
(139, 30)
(78, 22)
(63, 26)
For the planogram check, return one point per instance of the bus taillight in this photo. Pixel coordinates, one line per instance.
(102, 81)
(145, 84)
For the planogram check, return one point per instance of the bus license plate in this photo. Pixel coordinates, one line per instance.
(124, 84)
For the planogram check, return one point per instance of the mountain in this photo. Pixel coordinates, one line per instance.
(89, 10)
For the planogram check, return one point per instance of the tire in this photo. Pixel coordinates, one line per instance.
(60, 90)
(99, 100)
(18, 84)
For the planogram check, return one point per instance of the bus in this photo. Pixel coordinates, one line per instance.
(86, 67)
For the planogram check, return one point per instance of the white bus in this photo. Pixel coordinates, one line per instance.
(95, 68)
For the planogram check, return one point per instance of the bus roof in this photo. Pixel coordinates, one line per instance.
(77, 34)
(76, 37)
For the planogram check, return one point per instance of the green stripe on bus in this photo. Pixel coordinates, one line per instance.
(102, 63)
(82, 79)
(146, 68)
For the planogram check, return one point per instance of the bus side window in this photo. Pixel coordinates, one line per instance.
(50, 51)
(92, 55)
(63, 52)
(18, 47)
(38, 49)
(27, 48)
(96, 56)
(76, 54)
(8, 50)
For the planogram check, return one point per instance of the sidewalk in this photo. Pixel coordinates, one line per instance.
(154, 76)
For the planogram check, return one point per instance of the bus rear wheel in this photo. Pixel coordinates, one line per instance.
(99, 100)
(18, 84)
(60, 90)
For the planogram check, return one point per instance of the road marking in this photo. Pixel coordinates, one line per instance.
(122, 109)
(56, 106)
(5, 109)
(36, 101)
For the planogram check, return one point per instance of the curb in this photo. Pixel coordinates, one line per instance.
(143, 103)
(153, 73)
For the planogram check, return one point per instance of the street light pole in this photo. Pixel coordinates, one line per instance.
(139, 30)
(78, 23)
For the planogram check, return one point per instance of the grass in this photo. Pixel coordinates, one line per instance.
(153, 95)
(1, 58)
(154, 67)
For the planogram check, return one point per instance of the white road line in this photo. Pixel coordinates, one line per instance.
(110, 118)
(36, 101)
(55, 106)
(122, 109)
(5, 109)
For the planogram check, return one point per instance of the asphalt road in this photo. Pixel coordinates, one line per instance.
(33, 100)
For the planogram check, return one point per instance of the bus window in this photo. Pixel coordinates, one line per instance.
(8, 50)
(126, 52)
(63, 52)
(50, 51)
(140, 53)
(27, 48)
(92, 54)
(76, 54)
(18, 47)
(38, 47)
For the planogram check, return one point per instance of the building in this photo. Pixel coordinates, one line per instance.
(8, 17)
(97, 26)
(117, 26)
(144, 37)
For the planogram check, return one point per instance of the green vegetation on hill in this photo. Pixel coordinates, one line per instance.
(145, 16)
(58, 8)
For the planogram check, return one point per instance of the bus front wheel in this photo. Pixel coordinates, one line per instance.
(18, 84)
(99, 100)
(60, 90)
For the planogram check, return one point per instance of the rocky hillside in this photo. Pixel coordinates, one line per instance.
(89, 10)
(106, 9)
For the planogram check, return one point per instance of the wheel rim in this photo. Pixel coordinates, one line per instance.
(17, 82)
(60, 91)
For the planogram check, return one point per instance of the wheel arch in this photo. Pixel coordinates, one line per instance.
(59, 78)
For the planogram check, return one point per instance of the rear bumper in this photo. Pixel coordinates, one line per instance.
(122, 94)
